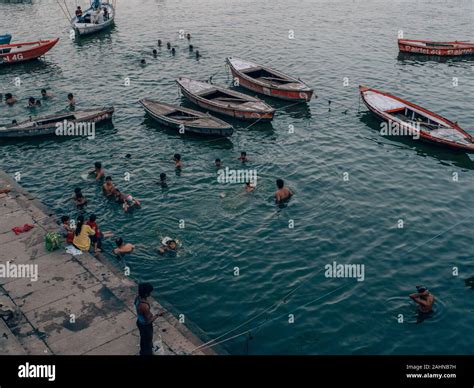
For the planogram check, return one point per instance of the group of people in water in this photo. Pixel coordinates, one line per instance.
(36, 102)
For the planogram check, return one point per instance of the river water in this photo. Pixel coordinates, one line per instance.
(239, 260)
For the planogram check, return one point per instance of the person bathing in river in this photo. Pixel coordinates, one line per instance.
(163, 182)
(71, 101)
(108, 187)
(98, 171)
(218, 163)
(178, 163)
(44, 94)
(9, 99)
(243, 157)
(79, 198)
(283, 193)
(123, 248)
(424, 299)
(169, 245)
(33, 103)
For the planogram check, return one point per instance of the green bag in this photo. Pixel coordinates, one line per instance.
(52, 241)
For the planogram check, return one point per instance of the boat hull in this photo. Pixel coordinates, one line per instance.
(289, 95)
(418, 47)
(197, 130)
(423, 135)
(97, 118)
(15, 56)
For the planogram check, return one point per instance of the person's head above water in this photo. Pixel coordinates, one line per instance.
(64, 219)
(422, 290)
(145, 290)
(98, 165)
(119, 241)
(243, 154)
(70, 96)
(172, 244)
(177, 157)
(108, 178)
(280, 183)
(162, 177)
(31, 100)
(78, 190)
(43, 92)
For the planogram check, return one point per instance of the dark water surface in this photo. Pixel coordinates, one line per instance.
(352, 221)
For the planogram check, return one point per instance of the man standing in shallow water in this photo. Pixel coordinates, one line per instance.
(424, 299)
(283, 192)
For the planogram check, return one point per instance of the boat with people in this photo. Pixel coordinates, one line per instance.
(267, 81)
(225, 101)
(419, 122)
(20, 52)
(74, 123)
(186, 120)
(98, 17)
(428, 47)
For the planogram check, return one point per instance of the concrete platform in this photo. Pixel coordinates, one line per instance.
(79, 304)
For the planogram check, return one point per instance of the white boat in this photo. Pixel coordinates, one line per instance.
(98, 17)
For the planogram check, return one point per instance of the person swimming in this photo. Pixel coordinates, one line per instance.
(122, 247)
(33, 103)
(79, 198)
(178, 163)
(249, 186)
(424, 299)
(283, 192)
(98, 171)
(45, 94)
(9, 99)
(163, 182)
(168, 245)
(108, 187)
(218, 163)
(243, 157)
(71, 101)
(130, 203)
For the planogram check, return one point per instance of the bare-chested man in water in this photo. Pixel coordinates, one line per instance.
(424, 299)
(283, 192)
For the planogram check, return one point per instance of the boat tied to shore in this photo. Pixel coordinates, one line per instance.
(21, 52)
(74, 123)
(186, 120)
(225, 101)
(267, 81)
(428, 47)
(426, 125)
(98, 17)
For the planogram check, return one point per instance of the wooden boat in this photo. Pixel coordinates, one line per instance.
(94, 19)
(430, 126)
(189, 120)
(5, 39)
(20, 52)
(264, 80)
(225, 101)
(428, 47)
(48, 125)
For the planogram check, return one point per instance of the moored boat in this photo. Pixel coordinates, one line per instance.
(98, 17)
(225, 101)
(267, 81)
(20, 52)
(75, 123)
(5, 39)
(428, 47)
(187, 120)
(419, 122)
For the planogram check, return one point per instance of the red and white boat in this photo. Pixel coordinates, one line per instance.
(20, 52)
(428, 47)
(267, 81)
(430, 127)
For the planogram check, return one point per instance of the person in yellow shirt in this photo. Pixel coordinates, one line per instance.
(81, 235)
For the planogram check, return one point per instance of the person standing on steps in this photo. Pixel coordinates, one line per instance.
(145, 319)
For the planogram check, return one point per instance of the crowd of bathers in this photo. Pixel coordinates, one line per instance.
(84, 235)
